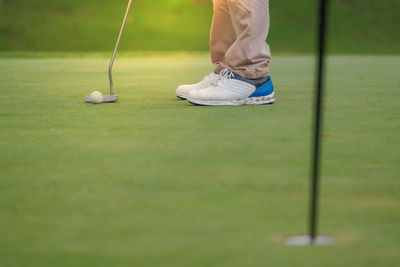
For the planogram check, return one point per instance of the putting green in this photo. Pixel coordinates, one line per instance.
(154, 181)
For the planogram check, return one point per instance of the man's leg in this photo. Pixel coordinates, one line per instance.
(222, 37)
(249, 56)
(245, 79)
(222, 34)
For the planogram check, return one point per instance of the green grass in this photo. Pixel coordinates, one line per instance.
(366, 27)
(153, 181)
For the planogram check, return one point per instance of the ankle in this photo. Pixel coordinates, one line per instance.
(256, 82)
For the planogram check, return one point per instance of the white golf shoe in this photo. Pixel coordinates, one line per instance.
(183, 91)
(229, 90)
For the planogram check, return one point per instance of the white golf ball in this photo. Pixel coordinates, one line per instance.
(96, 97)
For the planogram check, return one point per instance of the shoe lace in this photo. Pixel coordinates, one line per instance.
(225, 74)
(210, 78)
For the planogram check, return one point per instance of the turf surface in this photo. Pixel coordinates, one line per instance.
(153, 181)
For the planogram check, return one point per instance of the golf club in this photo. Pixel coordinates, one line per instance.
(113, 97)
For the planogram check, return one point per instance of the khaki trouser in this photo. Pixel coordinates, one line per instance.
(238, 34)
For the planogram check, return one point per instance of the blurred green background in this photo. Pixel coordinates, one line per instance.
(357, 26)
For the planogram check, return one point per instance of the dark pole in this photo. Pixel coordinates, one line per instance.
(318, 118)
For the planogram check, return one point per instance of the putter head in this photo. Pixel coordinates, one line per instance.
(106, 99)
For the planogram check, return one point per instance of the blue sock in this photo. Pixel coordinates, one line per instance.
(256, 82)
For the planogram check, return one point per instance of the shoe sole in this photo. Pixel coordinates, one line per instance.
(250, 101)
(181, 97)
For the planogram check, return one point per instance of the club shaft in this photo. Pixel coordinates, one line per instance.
(116, 49)
(322, 28)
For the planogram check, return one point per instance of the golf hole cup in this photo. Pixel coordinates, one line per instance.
(96, 97)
